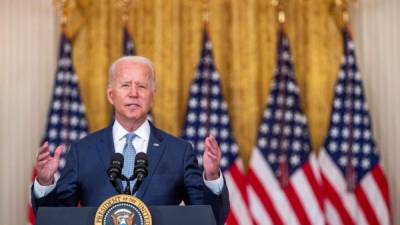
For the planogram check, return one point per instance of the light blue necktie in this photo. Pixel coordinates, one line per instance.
(129, 157)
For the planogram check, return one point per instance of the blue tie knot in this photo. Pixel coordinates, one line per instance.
(130, 137)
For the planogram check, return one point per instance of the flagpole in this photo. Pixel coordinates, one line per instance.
(281, 16)
(206, 14)
(62, 5)
(283, 162)
(124, 6)
(342, 8)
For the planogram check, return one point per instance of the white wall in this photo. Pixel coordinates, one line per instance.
(28, 48)
(28, 41)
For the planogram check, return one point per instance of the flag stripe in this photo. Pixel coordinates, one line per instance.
(306, 194)
(377, 202)
(381, 181)
(365, 206)
(239, 180)
(264, 197)
(237, 203)
(308, 171)
(231, 219)
(336, 189)
(296, 204)
(270, 186)
(332, 214)
(337, 202)
(259, 215)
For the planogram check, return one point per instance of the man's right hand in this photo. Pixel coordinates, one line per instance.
(46, 165)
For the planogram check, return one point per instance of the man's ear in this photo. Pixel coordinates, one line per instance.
(109, 96)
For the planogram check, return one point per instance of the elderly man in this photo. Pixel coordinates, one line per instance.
(174, 175)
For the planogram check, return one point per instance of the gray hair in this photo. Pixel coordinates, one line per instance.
(133, 59)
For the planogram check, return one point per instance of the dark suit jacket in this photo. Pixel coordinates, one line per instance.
(174, 175)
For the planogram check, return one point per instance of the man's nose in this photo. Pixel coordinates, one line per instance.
(134, 91)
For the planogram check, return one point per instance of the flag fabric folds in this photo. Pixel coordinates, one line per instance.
(283, 178)
(355, 185)
(66, 120)
(128, 45)
(207, 113)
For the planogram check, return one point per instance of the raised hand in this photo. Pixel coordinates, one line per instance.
(46, 165)
(211, 158)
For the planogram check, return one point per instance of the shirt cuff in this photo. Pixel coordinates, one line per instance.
(215, 186)
(41, 191)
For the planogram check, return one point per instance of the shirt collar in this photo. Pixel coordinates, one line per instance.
(143, 131)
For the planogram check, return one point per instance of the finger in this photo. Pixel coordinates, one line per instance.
(212, 146)
(213, 141)
(212, 156)
(44, 148)
(43, 156)
(207, 143)
(211, 151)
(58, 151)
(43, 163)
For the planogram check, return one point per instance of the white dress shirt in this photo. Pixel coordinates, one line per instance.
(140, 142)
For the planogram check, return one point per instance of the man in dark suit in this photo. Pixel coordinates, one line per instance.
(174, 175)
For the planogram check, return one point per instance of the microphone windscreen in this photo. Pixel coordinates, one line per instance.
(141, 159)
(117, 158)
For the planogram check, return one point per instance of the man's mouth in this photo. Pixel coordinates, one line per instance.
(132, 105)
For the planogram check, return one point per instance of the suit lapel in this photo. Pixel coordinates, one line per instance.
(155, 151)
(106, 148)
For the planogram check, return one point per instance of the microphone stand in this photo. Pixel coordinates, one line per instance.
(127, 190)
(116, 186)
(136, 186)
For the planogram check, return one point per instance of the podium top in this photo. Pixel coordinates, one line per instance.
(161, 215)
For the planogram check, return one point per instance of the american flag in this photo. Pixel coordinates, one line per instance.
(207, 113)
(355, 185)
(284, 186)
(66, 120)
(128, 48)
(128, 45)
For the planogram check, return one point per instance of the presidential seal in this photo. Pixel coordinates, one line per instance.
(123, 210)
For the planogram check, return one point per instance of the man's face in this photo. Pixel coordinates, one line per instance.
(131, 92)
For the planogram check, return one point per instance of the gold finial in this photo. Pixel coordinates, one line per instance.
(124, 5)
(342, 7)
(62, 5)
(278, 4)
(206, 11)
(281, 16)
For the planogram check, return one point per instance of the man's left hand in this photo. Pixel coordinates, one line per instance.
(211, 158)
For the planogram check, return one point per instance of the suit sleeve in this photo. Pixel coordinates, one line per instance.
(66, 191)
(196, 193)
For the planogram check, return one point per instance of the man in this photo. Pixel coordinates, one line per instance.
(174, 175)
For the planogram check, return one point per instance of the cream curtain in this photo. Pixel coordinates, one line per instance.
(169, 33)
(28, 48)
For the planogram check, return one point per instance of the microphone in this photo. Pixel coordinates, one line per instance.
(140, 170)
(115, 168)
